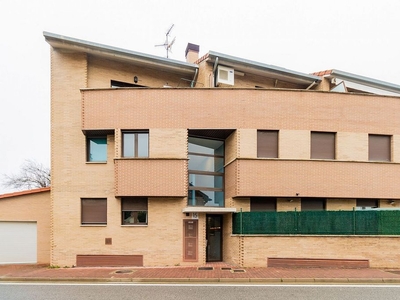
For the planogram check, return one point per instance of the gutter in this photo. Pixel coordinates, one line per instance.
(311, 85)
(196, 73)
(214, 71)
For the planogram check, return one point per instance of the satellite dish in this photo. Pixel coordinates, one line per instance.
(168, 45)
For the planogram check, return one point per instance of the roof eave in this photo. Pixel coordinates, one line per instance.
(73, 44)
(246, 65)
(365, 81)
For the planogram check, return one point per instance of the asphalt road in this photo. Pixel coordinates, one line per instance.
(41, 291)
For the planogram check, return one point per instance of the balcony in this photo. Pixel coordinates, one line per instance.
(312, 178)
(151, 177)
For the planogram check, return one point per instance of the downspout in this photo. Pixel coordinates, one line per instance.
(214, 70)
(194, 78)
(311, 85)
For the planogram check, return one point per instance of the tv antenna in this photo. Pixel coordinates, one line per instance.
(167, 44)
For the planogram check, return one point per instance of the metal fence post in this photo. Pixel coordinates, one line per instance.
(241, 222)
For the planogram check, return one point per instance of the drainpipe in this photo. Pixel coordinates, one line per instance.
(311, 85)
(214, 70)
(194, 78)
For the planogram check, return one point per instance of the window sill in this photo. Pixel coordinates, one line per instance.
(134, 225)
(95, 162)
(93, 225)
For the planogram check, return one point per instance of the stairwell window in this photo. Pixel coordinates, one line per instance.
(135, 144)
(379, 147)
(323, 145)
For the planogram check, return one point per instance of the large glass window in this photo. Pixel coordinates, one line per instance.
(134, 211)
(135, 144)
(96, 149)
(379, 147)
(93, 211)
(206, 172)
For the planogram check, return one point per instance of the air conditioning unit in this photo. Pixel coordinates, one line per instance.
(225, 75)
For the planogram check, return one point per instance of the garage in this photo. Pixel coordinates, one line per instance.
(18, 242)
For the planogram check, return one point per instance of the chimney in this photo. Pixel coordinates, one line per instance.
(192, 53)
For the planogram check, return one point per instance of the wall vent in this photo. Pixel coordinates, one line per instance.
(225, 75)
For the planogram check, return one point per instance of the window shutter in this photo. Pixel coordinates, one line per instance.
(262, 204)
(267, 143)
(134, 204)
(94, 211)
(323, 145)
(379, 147)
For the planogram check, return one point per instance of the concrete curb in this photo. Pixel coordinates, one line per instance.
(210, 280)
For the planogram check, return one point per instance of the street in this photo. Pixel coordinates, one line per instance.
(72, 291)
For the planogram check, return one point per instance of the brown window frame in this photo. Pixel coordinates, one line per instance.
(136, 145)
(137, 206)
(93, 214)
(379, 147)
(323, 145)
(267, 143)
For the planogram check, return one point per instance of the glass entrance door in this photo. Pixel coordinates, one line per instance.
(214, 237)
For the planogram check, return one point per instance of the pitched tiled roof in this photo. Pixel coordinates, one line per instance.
(322, 73)
(27, 192)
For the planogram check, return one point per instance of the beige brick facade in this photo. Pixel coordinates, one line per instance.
(84, 104)
(259, 249)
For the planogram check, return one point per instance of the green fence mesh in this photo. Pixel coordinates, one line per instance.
(356, 222)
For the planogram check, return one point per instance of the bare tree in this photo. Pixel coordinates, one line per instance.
(32, 175)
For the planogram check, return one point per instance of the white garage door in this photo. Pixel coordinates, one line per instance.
(18, 242)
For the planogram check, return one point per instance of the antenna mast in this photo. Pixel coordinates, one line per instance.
(168, 45)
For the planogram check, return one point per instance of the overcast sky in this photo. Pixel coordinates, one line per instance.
(360, 37)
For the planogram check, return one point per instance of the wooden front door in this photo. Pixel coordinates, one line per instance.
(190, 240)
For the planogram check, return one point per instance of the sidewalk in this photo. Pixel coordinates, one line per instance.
(208, 273)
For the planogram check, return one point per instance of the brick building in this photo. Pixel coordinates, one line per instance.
(152, 157)
(25, 227)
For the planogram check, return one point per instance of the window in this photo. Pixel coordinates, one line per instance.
(93, 211)
(379, 147)
(116, 84)
(367, 203)
(96, 149)
(267, 143)
(135, 144)
(134, 211)
(262, 204)
(323, 145)
(206, 172)
(308, 204)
